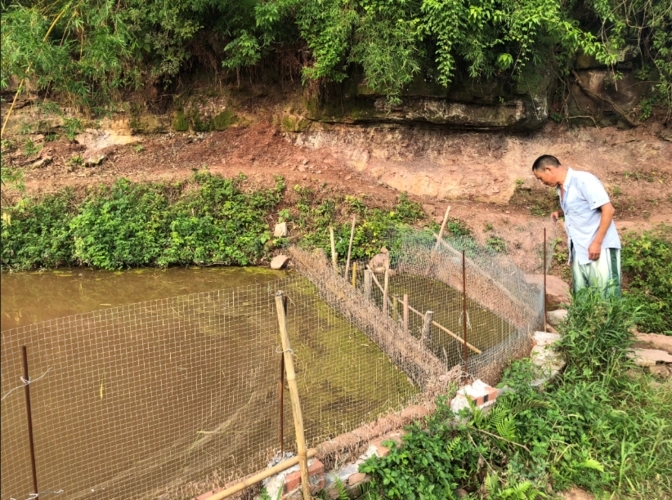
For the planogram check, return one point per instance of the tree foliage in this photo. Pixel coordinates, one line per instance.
(88, 49)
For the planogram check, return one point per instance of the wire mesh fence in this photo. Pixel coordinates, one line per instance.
(170, 398)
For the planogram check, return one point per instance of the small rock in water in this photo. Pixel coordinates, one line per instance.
(280, 230)
(279, 261)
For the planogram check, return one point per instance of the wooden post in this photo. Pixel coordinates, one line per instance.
(294, 395)
(354, 275)
(443, 226)
(334, 256)
(367, 283)
(395, 313)
(29, 413)
(406, 314)
(386, 290)
(427, 327)
(352, 235)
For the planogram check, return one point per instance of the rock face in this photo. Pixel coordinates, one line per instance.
(279, 261)
(557, 291)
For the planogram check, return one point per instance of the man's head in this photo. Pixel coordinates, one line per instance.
(548, 170)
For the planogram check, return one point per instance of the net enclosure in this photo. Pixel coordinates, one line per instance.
(170, 398)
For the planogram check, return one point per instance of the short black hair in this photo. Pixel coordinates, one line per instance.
(545, 161)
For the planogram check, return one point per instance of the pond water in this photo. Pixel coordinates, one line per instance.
(137, 395)
(33, 297)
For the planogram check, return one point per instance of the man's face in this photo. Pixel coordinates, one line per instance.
(548, 176)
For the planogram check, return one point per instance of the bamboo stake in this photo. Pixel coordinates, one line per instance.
(290, 462)
(395, 313)
(354, 275)
(352, 235)
(465, 351)
(334, 256)
(545, 328)
(386, 290)
(443, 226)
(281, 387)
(443, 328)
(427, 327)
(406, 314)
(367, 283)
(380, 287)
(294, 395)
(29, 414)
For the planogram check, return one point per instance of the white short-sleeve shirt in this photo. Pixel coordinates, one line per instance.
(584, 195)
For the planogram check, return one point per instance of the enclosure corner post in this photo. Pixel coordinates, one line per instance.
(427, 327)
(367, 283)
(294, 396)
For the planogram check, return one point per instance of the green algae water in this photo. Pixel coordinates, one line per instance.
(148, 397)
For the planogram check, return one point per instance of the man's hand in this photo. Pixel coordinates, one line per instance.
(594, 250)
(555, 215)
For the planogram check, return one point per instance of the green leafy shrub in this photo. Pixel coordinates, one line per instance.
(646, 260)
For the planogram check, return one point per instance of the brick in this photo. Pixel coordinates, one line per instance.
(356, 478)
(315, 475)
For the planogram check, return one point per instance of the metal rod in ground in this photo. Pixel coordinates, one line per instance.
(465, 351)
(334, 255)
(352, 235)
(386, 290)
(544, 265)
(294, 395)
(29, 413)
(282, 393)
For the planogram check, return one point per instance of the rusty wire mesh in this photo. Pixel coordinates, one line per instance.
(169, 398)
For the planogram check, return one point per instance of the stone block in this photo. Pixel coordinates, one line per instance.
(557, 291)
(556, 317)
(479, 392)
(356, 478)
(280, 230)
(279, 261)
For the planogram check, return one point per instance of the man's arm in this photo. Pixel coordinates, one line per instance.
(607, 216)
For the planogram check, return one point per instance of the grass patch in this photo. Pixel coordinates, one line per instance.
(601, 426)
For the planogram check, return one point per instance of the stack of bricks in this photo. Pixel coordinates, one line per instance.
(479, 393)
(292, 488)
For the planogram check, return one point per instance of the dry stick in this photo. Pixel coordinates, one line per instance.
(261, 476)
(334, 256)
(443, 226)
(441, 327)
(480, 271)
(294, 395)
(30, 417)
(352, 235)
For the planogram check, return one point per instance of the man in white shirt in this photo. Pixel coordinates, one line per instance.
(595, 248)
